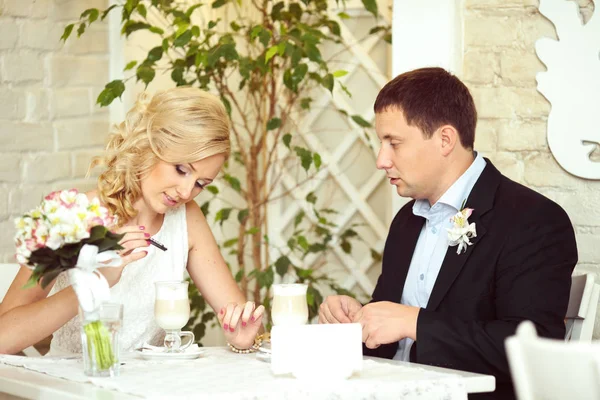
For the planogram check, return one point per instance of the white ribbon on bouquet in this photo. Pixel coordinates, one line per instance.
(90, 286)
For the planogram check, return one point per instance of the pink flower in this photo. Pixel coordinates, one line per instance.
(53, 196)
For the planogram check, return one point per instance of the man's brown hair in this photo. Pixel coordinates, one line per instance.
(430, 98)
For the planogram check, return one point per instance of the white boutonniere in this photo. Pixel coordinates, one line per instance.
(461, 230)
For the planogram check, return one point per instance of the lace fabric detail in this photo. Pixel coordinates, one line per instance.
(135, 289)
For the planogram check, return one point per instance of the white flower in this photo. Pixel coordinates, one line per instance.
(461, 231)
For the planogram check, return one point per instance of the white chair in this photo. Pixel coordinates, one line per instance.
(583, 304)
(7, 274)
(551, 369)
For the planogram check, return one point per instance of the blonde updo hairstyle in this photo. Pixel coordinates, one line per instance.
(179, 125)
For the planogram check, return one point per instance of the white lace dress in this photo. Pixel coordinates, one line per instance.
(135, 289)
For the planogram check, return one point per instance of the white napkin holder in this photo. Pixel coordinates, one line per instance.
(317, 352)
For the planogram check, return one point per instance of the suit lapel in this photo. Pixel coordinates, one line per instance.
(402, 252)
(481, 200)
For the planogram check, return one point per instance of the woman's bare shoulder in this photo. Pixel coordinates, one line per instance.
(92, 194)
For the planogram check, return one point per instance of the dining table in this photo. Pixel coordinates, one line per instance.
(218, 373)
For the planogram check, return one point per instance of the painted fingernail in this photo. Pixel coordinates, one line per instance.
(252, 319)
(147, 234)
(149, 242)
(225, 326)
(231, 329)
(244, 323)
(222, 311)
(142, 227)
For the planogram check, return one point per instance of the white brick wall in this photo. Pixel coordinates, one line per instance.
(50, 126)
(499, 67)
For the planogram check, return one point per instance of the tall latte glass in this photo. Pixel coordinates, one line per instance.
(289, 304)
(172, 312)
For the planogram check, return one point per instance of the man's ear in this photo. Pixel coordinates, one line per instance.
(449, 139)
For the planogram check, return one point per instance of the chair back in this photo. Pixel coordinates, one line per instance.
(7, 274)
(583, 305)
(551, 369)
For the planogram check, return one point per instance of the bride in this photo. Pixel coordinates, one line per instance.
(169, 148)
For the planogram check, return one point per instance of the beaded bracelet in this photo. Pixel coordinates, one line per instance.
(257, 342)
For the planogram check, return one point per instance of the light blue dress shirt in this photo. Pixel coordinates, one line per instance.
(433, 243)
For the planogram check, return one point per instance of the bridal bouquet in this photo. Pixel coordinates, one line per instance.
(68, 232)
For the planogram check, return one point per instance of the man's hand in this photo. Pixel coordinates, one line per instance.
(385, 322)
(338, 310)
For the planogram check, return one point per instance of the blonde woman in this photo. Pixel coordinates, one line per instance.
(168, 149)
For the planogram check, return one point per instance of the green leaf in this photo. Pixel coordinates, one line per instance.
(183, 39)
(304, 273)
(282, 265)
(376, 256)
(313, 53)
(343, 15)
(234, 26)
(157, 30)
(67, 32)
(177, 76)
(252, 231)
(270, 53)
(328, 82)
(346, 246)
(371, 6)
(190, 10)
(305, 103)
(230, 242)
(111, 91)
(317, 160)
(141, 9)
(212, 189)
(195, 31)
(339, 73)
(233, 182)
(145, 74)
(222, 215)
(204, 208)
(181, 28)
(130, 65)
(81, 29)
(239, 276)
(132, 26)
(242, 215)
(266, 278)
(311, 198)
(298, 219)
(291, 243)
(302, 242)
(305, 157)
(155, 54)
(287, 138)
(273, 123)
(361, 121)
(105, 13)
(91, 14)
(219, 3)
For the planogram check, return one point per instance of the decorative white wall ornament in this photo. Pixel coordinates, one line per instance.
(572, 85)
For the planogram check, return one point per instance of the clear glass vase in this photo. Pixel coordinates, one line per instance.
(100, 339)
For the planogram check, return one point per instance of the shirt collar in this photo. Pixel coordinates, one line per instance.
(458, 192)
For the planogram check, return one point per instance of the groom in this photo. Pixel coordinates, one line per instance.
(452, 303)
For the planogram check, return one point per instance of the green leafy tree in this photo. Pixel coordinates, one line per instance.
(264, 64)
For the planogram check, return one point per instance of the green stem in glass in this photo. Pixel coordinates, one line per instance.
(98, 341)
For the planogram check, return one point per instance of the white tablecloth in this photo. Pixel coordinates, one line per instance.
(220, 374)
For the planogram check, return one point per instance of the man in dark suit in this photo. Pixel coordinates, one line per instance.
(472, 255)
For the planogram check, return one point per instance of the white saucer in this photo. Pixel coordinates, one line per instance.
(161, 355)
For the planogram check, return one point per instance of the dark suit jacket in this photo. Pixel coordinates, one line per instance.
(518, 268)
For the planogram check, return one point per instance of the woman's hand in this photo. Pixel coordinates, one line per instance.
(241, 323)
(134, 238)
